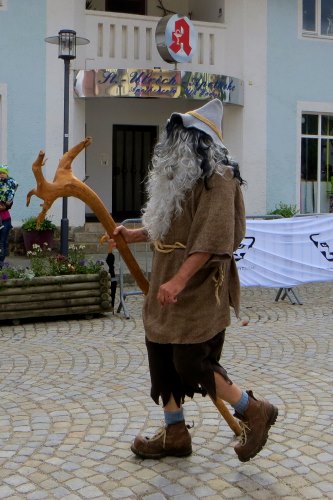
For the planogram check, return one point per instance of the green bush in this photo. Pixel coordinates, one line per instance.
(44, 263)
(30, 224)
(9, 273)
(284, 210)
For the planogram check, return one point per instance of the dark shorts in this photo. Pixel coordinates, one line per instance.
(185, 369)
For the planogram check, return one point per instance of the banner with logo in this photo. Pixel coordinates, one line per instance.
(286, 252)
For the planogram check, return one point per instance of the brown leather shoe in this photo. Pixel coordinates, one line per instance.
(257, 420)
(171, 440)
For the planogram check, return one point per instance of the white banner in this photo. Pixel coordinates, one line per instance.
(286, 252)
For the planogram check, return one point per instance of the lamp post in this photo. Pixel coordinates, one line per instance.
(67, 42)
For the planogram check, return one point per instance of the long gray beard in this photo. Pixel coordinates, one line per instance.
(167, 187)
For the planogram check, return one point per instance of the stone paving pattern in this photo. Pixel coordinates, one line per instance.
(75, 392)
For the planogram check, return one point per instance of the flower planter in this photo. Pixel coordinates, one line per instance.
(49, 296)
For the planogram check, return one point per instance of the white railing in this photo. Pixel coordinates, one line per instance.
(124, 41)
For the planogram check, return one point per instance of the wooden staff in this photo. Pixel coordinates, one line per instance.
(66, 184)
(231, 421)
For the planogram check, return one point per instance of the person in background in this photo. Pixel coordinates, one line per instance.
(8, 187)
(110, 260)
(195, 218)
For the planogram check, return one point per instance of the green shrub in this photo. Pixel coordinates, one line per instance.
(284, 210)
(44, 263)
(30, 224)
(9, 273)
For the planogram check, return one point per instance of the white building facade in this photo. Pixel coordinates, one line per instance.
(267, 59)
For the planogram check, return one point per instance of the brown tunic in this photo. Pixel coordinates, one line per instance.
(212, 221)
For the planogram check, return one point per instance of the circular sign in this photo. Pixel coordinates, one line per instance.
(176, 38)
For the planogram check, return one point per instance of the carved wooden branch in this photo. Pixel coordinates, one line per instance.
(66, 184)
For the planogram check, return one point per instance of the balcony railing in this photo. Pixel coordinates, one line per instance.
(123, 41)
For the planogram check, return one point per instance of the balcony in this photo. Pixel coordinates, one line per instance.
(128, 41)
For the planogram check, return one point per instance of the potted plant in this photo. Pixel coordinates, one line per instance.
(37, 234)
(284, 210)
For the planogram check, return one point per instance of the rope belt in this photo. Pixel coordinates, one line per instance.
(218, 280)
(161, 247)
(219, 275)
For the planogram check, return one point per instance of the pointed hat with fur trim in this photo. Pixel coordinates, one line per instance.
(208, 118)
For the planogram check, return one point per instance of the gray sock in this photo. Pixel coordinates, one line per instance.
(173, 417)
(242, 404)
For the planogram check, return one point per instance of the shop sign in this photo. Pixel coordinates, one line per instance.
(176, 39)
(157, 83)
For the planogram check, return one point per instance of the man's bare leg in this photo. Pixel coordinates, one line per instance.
(226, 391)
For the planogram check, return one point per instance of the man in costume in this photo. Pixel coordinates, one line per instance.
(195, 218)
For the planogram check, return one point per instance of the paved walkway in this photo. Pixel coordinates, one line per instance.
(75, 392)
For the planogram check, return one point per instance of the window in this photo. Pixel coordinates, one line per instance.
(127, 6)
(317, 18)
(316, 163)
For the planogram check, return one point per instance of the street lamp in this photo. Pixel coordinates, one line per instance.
(67, 42)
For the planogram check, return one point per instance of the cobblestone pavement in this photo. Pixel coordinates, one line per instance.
(75, 392)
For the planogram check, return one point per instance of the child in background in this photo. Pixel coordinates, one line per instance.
(8, 187)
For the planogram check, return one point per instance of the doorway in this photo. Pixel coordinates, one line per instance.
(132, 150)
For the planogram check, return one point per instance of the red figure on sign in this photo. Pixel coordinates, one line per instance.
(181, 36)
